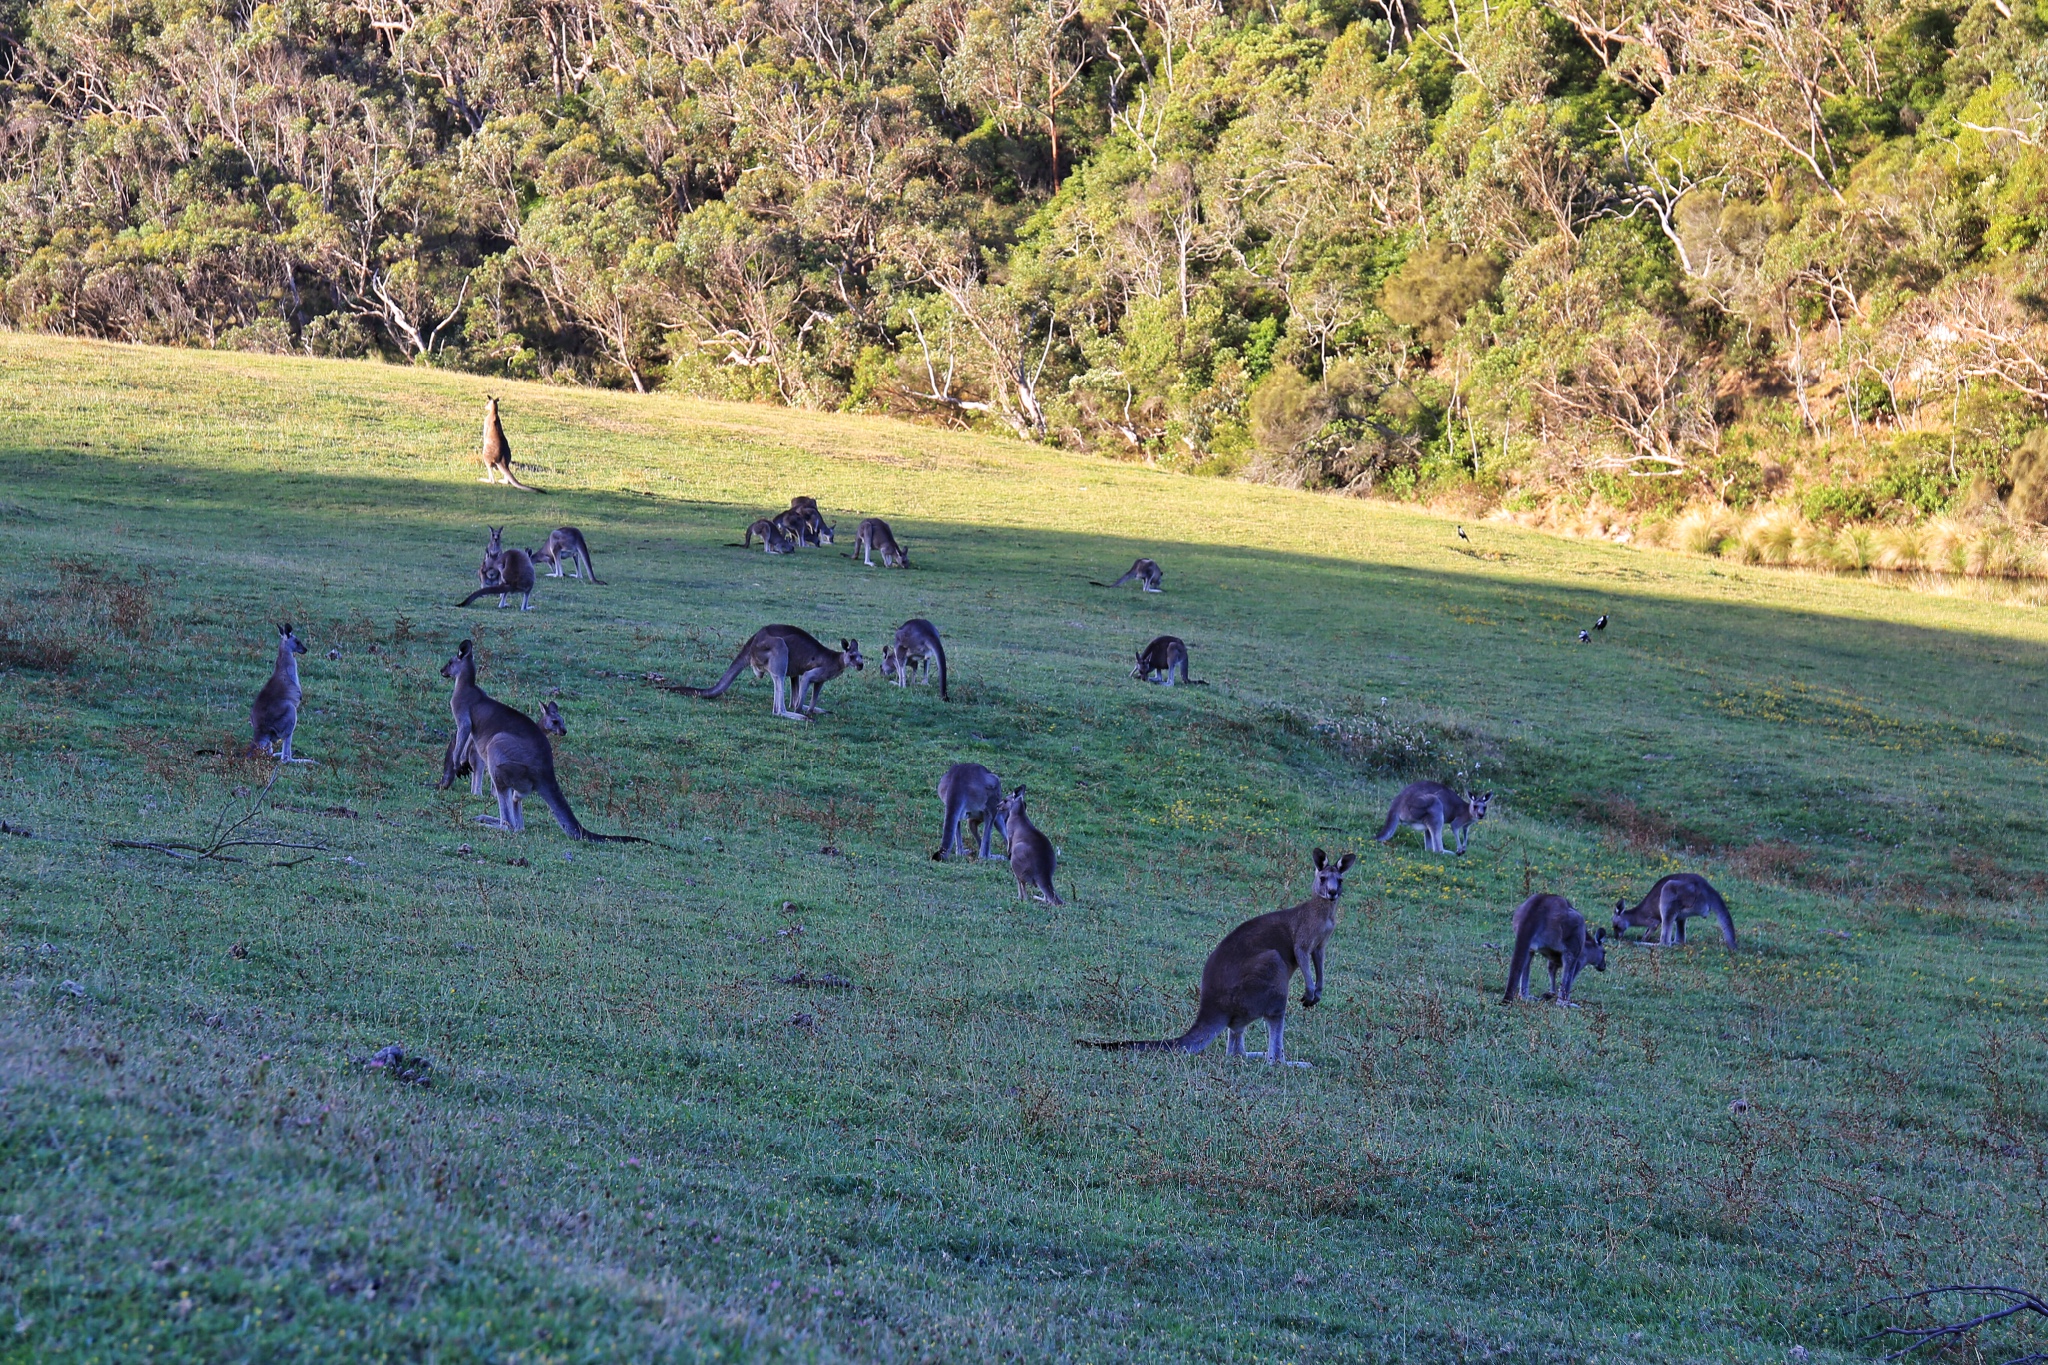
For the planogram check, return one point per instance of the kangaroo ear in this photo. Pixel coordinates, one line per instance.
(1319, 858)
(1599, 936)
(463, 649)
(845, 644)
(1344, 863)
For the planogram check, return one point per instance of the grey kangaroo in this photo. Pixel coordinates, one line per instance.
(1432, 808)
(1031, 855)
(1166, 656)
(797, 526)
(505, 744)
(807, 508)
(794, 660)
(915, 648)
(773, 538)
(1552, 926)
(1148, 575)
(275, 713)
(566, 542)
(1247, 976)
(874, 535)
(1671, 902)
(497, 454)
(505, 572)
(970, 792)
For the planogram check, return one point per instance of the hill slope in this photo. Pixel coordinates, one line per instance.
(656, 1124)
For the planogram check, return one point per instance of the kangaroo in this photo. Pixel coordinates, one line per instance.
(797, 527)
(1148, 574)
(1671, 902)
(774, 539)
(567, 541)
(916, 646)
(874, 535)
(1432, 807)
(505, 743)
(1031, 855)
(275, 713)
(1166, 656)
(514, 575)
(490, 571)
(786, 654)
(1552, 926)
(1247, 975)
(807, 508)
(497, 450)
(970, 792)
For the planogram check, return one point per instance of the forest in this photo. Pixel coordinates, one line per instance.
(1757, 277)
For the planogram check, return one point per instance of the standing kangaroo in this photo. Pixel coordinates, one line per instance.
(1670, 903)
(1552, 926)
(1247, 976)
(275, 713)
(970, 792)
(567, 542)
(506, 745)
(874, 534)
(1432, 807)
(1166, 656)
(505, 572)
(1149, 576)
(1031, 855)
(497, 450)
(915, 647)
(789, 657)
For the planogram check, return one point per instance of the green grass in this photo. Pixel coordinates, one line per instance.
(630, 1150)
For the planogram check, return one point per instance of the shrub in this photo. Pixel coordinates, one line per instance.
(1434, 289)
(2028, 469)
(1831, 504)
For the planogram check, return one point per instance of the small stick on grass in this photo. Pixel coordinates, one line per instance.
(223, 836)
(2013, 1301)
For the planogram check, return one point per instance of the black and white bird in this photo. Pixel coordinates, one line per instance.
(1601, 624)
(1584, 638)
(1462, 535)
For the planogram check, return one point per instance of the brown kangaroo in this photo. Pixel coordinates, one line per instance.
(505, 572)
(970, 792)
(566, 542)
(874, 535)
(1670, 903)
(1166, 656)
(1031, 855)
(915, 648)
(275, 714)
(497, 450)
(1432, 807)
(773, 538)
(807, 508)
(505, 744)
(1149, 576)
(1552, 926)
(788, 656)
(1247, 975)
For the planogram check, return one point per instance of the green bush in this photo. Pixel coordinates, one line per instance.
(1434, 289)
(2028, 469)
(1831, 504)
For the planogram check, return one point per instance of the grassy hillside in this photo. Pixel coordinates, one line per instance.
(640, 1141)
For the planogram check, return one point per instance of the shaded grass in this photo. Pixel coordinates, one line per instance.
(639, 1142)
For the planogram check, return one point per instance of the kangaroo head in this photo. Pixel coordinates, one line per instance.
(1478, 804)
(1330, 876)
(889, 663)
(453, 668)
(1011, 807)
(1596, 949)
(850, 655)
(824, 533)
(551, 719)
(284, 635)
(1144, 665)
(491, 404)
(497, 538)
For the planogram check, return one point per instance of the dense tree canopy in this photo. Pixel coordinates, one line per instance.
(1645, 252)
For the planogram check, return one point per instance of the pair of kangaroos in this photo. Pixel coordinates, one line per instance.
(973, 794)
(511, 572)
(786, 532)
(1552, 927)
(799, 664)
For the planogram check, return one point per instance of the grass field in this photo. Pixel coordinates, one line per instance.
(639, 1143)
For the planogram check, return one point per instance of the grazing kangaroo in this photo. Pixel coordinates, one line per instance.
(874, 534)
(1432, 807)
(1166, 656)
(1148, 574)
(1552, 926)
(916, 646)
(505, 744)
(1247, 976)
(788, 656)
(497, 450)
(514, 575)
(970, 792)
(774, 539)
(275, 713)
(1671, 902)
(567, 542)
(807, 508)
(1031, 856)
(797, 526)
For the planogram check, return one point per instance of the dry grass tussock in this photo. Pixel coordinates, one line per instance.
(81, 605)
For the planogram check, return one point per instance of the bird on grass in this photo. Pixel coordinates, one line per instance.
(1584, 638)
(1462, 535)
(1601, 624)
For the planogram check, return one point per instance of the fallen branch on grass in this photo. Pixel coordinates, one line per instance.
(2012, 1303)
(226, 835)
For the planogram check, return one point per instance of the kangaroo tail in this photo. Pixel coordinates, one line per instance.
(1195, 1039)
(1393, 827)
(590, 570)
(550, 791)
(1093, 583)
(1525, 937)
(490, 590)
(717, 689)
(941, 651)
(1719, 909)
